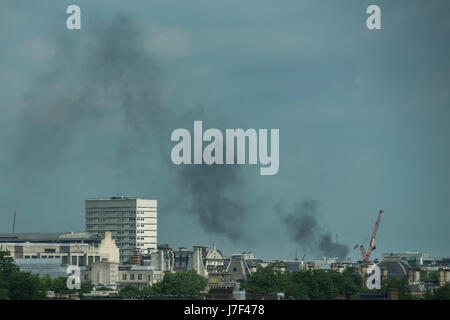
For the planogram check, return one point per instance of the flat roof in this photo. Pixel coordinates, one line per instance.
(48, 236)
(115, 198)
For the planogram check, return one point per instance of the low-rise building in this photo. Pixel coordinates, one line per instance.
(105, 274)
(444, 276)
(412, 258)
(238, 268)
(138, 276)
(78, 249)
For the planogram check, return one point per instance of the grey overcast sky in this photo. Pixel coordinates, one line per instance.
(363, 118)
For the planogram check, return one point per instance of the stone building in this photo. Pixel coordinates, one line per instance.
(79, 249)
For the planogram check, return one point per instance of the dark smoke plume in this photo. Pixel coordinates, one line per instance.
(330, 248)
(91, 81)
(219, 209)
(304, 229)
(215, 194)
(105, 81)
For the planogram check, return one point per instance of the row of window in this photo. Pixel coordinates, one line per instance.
(81, 259)
(131, 244)
(124, 244)
(120, 212)
(140, 277)
(113, 219)
(101, 226)
(119, 239)
(123, 232)
(125, 238)
(120, 226)
(110, 210)
(132, 232)
(42, 257)
(146, 211)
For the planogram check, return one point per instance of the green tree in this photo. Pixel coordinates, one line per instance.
(442, 293)
(348, 284)
(296, 286)
(103, 288)
(317, 284)
(4, 290)
(25, 286)
(180, 283)
(46, 283)
(321, 285)
(432, 276)
(7, 266)
(18, 285)
(428, 295)
(130, 291)
(266, 279)
(59, 285)
(85, 288)
(404, 291)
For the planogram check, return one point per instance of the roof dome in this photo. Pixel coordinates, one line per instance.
(214, 253)
(396, 267)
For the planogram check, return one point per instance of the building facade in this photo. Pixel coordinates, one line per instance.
(132, 222)
(138, 276)
(411, 258)
(79, 249)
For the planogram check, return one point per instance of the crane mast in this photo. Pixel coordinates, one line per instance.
(366, 255)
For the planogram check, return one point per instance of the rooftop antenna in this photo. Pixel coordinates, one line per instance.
(14, 222)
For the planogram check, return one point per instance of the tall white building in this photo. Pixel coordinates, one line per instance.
(132, 222)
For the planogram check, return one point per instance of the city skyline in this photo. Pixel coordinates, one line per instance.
(93, 205)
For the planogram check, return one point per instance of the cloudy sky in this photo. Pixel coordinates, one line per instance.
(363, 118)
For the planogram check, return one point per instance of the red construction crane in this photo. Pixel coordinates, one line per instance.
(366, 255)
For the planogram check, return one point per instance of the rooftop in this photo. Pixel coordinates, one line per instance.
(49, 237)
(115, 198)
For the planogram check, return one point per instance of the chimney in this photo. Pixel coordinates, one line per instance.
(385, 273)
(417, 276)
(161, 260)
(198, 260)
(392, 294)
(136, 260)
(441, 277)
(363, 270)
(364, 275)
(410, 276)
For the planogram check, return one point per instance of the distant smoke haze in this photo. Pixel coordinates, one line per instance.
(304, 229)
(109, 81)
(91, 81)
